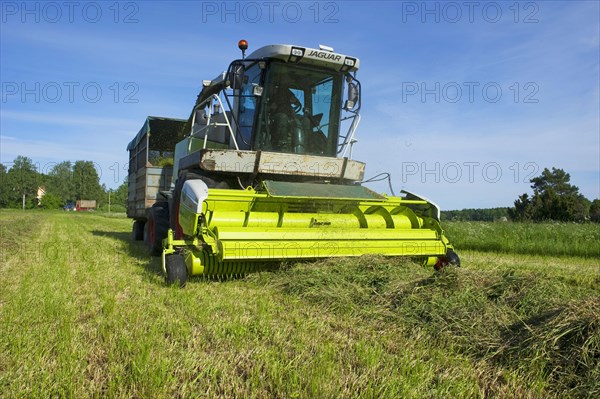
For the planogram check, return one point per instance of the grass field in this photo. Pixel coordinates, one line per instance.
(84, 313)
(558, 239)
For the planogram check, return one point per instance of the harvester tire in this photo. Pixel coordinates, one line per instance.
(156, 227)
(176, 270)
(450, 259)
(137, 231)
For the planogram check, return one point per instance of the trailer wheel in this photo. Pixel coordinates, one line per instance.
(137, 231)
(176, 270)
(156, 227)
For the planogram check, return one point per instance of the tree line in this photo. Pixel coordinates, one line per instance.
(553, 197)
(65, 183)
(476, 215)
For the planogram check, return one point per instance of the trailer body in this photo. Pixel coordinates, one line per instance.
(85, 205)
(150, 169)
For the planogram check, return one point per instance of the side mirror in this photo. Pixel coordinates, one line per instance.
(352, 97)
(236, 77)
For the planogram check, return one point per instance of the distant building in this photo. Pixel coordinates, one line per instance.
(41, 191)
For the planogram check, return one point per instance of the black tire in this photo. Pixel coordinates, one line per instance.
(176, 270)
(156, 227)
(137, 231)
(452, 258)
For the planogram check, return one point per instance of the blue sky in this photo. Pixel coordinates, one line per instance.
(463, 102)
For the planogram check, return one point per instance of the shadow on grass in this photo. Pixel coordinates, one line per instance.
(448, 277)
(135, 250)
(152, 265)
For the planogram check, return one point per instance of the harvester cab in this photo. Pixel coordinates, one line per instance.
(264, 172)
(288, 105)
(283, 99)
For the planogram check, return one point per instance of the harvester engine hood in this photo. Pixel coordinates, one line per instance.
(193, 195)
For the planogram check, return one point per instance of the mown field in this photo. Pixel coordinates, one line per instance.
(84, 313)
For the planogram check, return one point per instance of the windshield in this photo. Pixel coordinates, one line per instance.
(300, 112)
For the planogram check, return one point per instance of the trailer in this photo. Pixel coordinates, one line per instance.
(151, 167)
(85, 205)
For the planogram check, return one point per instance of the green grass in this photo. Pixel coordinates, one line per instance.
(527, 329)
(84, 313)
(559, 239)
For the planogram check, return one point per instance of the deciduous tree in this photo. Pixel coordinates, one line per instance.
(21, 183)
(61, 182)
(86, 181)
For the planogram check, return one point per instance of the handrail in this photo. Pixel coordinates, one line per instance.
(349, 138)
(211, 104)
